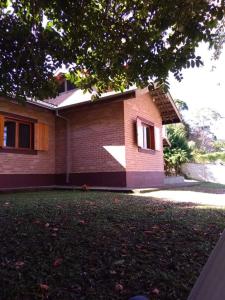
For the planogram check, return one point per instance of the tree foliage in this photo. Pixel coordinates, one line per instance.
(202, 129)
(104, 43)
(179, 152)
(219, 145)
(181, 105)
(219, 39)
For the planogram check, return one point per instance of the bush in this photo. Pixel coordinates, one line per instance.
(179, 152)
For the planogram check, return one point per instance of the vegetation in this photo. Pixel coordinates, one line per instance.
(103, 43)
(202, 131)
(210, 157)
(185, 147)
(88, 245)
(194, 140)
(179, 152)
(181, 105)
(219, 145)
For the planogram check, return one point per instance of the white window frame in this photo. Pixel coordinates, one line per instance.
(142, 126)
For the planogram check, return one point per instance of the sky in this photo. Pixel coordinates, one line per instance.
(203, 87)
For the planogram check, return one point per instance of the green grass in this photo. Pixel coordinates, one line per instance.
(89, 245)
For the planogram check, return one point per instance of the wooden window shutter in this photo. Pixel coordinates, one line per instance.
(158, 139)
(140, 141)
(1, 131)
(41, 137)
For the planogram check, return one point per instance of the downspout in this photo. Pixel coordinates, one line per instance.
(68, 153)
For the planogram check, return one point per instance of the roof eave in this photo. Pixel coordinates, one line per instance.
(43, 105)
(175, 108)
(166, 106)
(109, 97)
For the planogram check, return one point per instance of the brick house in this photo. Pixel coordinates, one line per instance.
(116, 141)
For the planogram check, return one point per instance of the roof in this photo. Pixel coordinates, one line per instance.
(78, 96)
(163, 101)
(166, 106)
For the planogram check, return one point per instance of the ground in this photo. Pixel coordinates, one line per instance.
(97, 245)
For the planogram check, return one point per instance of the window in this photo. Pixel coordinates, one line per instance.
(65, 86)
(70, 86)
(24, 135)
(18, 134)
(9, 134)
(148, 135)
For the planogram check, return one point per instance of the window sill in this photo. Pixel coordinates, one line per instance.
(19, 151)
(143, 150)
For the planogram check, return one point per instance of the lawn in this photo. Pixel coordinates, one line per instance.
(97, 245)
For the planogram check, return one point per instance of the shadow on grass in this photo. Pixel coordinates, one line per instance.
(89, 245)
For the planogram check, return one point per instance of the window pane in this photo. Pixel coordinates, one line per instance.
(9, 134)
(148, 142)
(24, 135)
(61, 87)
(144, 137)
(70, 86)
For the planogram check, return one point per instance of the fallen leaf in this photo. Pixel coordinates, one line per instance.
(82, 222)
(77, 288)
(47, 225)
(19, 264)
(139, 246)
(124, 251)
(116, 201)
(147, 232)
(44, 287)
(57, 262)
(155, 291)
(118, 287)
(119, 262)
(85, 188)
(155, 227)
(132, 227)
(36, 222)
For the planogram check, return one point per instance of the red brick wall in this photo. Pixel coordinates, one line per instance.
(98, 132)
(44, 161)
(92, 128)
(112, 124)
(150, 164)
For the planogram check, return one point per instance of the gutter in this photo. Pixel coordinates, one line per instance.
(43, 105)
(68, 153)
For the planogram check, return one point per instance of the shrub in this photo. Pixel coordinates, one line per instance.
(179, 152)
